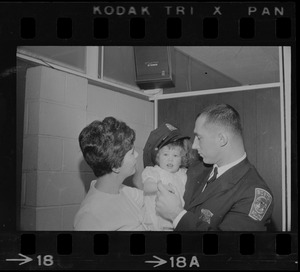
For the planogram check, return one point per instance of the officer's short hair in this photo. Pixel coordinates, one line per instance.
(223, 114)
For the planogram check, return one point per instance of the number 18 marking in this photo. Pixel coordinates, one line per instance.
(46, 260)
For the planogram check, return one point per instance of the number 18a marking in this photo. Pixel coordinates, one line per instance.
(182, 262)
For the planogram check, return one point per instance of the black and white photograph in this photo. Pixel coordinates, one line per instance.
(154, 138)
(148, 135)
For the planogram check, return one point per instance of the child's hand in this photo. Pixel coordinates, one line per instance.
(174, 190)
(171, 188)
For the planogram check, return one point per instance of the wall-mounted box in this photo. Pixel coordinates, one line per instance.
(153, 67)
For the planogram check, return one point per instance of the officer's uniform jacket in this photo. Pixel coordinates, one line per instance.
(238, 200)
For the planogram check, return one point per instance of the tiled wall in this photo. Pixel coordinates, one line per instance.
(55, 177)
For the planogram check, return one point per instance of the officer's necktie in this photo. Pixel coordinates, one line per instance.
(212, 178)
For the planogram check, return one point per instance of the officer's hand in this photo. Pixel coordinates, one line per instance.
(168, 202)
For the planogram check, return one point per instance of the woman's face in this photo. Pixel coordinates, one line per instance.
(129, 163)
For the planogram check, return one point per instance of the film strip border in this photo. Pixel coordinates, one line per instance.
(148, 23)
(137, 251)
(173, 28)
(190, 23)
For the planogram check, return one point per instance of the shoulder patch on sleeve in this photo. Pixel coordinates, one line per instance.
(260, 205)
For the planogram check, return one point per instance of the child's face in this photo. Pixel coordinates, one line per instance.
(169, 158)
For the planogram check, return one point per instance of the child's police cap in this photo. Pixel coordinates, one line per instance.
(158, 138)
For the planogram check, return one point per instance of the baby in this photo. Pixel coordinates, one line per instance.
(166, 156)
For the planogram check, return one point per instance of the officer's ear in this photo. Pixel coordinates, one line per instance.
(223, 138)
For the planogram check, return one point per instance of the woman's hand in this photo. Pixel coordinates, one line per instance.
(168, 202)
(150, 187)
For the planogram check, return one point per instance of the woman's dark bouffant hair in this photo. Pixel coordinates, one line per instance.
(105, 144)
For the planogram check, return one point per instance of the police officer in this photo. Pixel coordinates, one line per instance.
(230, 195)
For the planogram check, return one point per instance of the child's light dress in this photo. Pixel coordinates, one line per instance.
(177, 179)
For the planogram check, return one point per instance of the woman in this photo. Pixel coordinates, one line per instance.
(108, 148)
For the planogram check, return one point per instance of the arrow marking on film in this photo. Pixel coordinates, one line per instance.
(159, 261)
(23, 261)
